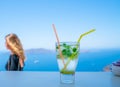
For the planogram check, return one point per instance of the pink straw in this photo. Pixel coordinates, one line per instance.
(61, 56)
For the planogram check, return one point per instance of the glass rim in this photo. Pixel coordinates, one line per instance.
(67, 42)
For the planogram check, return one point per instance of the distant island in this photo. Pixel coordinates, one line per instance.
(39, 50)
(43, 50)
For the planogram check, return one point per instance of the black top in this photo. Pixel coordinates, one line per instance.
(13, 63)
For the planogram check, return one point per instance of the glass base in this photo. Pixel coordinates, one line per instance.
(67, 78)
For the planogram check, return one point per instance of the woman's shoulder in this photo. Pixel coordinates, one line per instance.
(14, 56)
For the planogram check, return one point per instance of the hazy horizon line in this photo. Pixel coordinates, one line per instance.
(54, 49)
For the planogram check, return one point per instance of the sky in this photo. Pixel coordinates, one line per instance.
(32, 21)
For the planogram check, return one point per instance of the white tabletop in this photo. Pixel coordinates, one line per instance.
(52, 79)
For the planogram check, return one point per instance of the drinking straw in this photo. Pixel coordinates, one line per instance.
(84, 34)
(61, 56)
(79, 39)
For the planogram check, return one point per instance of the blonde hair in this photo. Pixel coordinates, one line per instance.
(15, 46)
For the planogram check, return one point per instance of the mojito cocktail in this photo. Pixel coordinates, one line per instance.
(67, 57)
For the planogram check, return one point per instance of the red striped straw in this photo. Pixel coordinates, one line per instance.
(61, 56)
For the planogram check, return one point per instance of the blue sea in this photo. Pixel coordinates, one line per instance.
(92, 60)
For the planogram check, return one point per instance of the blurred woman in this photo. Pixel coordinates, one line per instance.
(17, 57)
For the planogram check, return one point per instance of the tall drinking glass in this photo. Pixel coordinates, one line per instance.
(67, 58)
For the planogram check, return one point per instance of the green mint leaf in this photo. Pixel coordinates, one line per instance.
(74, 49)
